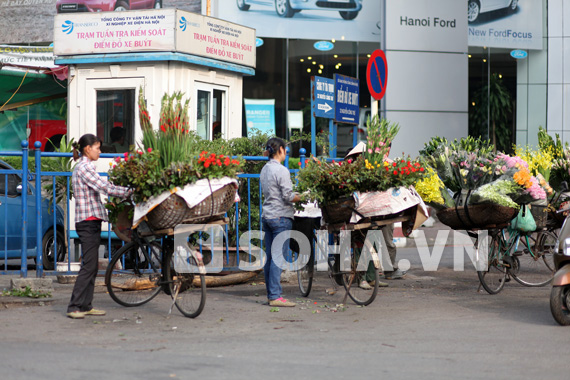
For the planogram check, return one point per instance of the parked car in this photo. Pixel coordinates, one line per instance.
(476, 7)
(348, 9)
(65, 6)
(11, 222)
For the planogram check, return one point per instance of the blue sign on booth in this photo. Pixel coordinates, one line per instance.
(323, 95)
(347, 104)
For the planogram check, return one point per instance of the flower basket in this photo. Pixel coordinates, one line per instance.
(174, 210)
(339, 211)
(476, 216)
(540, 215)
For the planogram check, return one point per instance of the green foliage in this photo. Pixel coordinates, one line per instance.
(493, 106)
(27, 292)
(59, 164)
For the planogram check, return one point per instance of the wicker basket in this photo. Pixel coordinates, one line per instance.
(215, 205)
(338, 212)
(174, 210)
(540, 215)
(477, 216)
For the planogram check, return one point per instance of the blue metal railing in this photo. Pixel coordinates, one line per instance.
(53, 210)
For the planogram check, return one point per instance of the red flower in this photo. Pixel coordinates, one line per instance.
(299, 163)
(219, 162)
(227, 161)
(162, 128)
(421, 169)
(394, 164)
(207, 164)
(149, 150)
(395, 172)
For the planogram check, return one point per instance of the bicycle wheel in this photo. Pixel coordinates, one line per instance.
(305, 277)
(187, 289)
(134, 274)
(493, 279)
(352, 279)
(535, 259)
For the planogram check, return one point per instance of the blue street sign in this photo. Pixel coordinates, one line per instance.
(347, 105)
(323, 95)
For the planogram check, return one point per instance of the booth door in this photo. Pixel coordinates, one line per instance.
(112, 112)
(211, 111)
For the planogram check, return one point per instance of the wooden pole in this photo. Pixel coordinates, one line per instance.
(208, 7)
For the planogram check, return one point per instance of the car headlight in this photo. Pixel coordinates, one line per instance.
(567, 247)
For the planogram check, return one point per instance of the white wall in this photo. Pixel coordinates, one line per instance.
(558, 103)
(427, 91)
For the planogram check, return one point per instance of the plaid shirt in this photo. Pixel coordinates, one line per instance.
(87, 187)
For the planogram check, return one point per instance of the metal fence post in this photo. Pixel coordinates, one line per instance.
(24, 261)
(287, 157)
(39, 245)
(302, 153)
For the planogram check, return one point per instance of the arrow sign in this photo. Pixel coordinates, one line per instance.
(322, 92)
(324, 107)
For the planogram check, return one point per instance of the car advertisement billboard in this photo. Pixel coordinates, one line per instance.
(350, 20)
(515, 24)
(31, 21)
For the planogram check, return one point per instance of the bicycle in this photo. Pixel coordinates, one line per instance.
(352, 274)
(144, 266)
(531, 266)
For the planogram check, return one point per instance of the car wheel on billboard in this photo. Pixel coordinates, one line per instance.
(473, 10)
(157, 4)
(514, 5)
(242, 6)
(121, 6)
(348, 15)
(283, 8)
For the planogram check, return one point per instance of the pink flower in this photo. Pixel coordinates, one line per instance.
(350, 160)
(126, 154)
(117, 159)
(377, 150)
(370, 151)
(149, 150)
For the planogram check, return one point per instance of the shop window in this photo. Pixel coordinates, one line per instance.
(115, 119)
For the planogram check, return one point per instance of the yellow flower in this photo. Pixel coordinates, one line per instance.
(429, 187)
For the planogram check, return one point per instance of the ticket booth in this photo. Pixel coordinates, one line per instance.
(113, 55)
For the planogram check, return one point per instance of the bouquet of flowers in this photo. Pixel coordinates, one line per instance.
(372, 171)
(170, 157)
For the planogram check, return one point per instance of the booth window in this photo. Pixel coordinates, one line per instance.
(116, 119)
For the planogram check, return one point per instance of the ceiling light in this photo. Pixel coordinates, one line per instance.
(309, 70)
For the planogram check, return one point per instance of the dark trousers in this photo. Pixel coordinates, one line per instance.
(89, 232)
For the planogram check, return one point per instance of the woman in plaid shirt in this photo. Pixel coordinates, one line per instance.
(89, 213)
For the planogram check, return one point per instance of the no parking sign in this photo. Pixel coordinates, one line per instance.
(377, 74)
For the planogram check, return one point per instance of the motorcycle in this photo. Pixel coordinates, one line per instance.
(560, 293)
